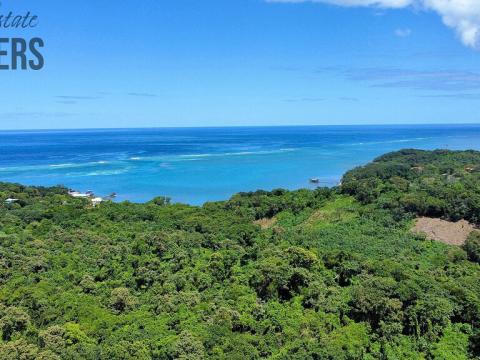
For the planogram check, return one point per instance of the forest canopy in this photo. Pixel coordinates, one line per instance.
(307, 274)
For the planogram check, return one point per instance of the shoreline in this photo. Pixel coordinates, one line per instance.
(195, 166)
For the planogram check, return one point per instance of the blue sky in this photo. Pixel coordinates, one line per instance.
(155, 63)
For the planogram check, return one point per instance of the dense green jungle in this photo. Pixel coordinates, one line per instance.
(331, 273)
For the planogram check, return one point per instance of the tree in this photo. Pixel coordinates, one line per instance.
(21, 350)
(472, 246)
(121, 300)
(188, 347)
(13, 320)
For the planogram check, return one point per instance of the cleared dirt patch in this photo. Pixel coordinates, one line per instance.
(266, 223)
(447, 232)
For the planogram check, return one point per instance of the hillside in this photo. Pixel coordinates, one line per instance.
(323, 274)
(438, 183)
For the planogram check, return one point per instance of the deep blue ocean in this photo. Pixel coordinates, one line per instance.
(195, 165)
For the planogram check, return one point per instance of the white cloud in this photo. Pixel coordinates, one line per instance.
(403, 32)
(461, 15)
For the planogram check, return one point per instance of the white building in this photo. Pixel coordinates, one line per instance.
(77, 194)
(96, 201)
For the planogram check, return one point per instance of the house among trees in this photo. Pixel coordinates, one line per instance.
(77, 194)
(10, 201)
(96, 201)
(86, 195)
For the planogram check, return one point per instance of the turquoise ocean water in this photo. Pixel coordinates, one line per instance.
(194, 165)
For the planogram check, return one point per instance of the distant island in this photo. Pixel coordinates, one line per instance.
(384, 266)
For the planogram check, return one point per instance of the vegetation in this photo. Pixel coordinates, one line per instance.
(335, 274)
(441, 183)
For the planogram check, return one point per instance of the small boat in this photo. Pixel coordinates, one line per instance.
(315, 180)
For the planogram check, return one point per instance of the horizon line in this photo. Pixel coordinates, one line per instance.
(234, 126)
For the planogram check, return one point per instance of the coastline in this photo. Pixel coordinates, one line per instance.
(209, 164)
